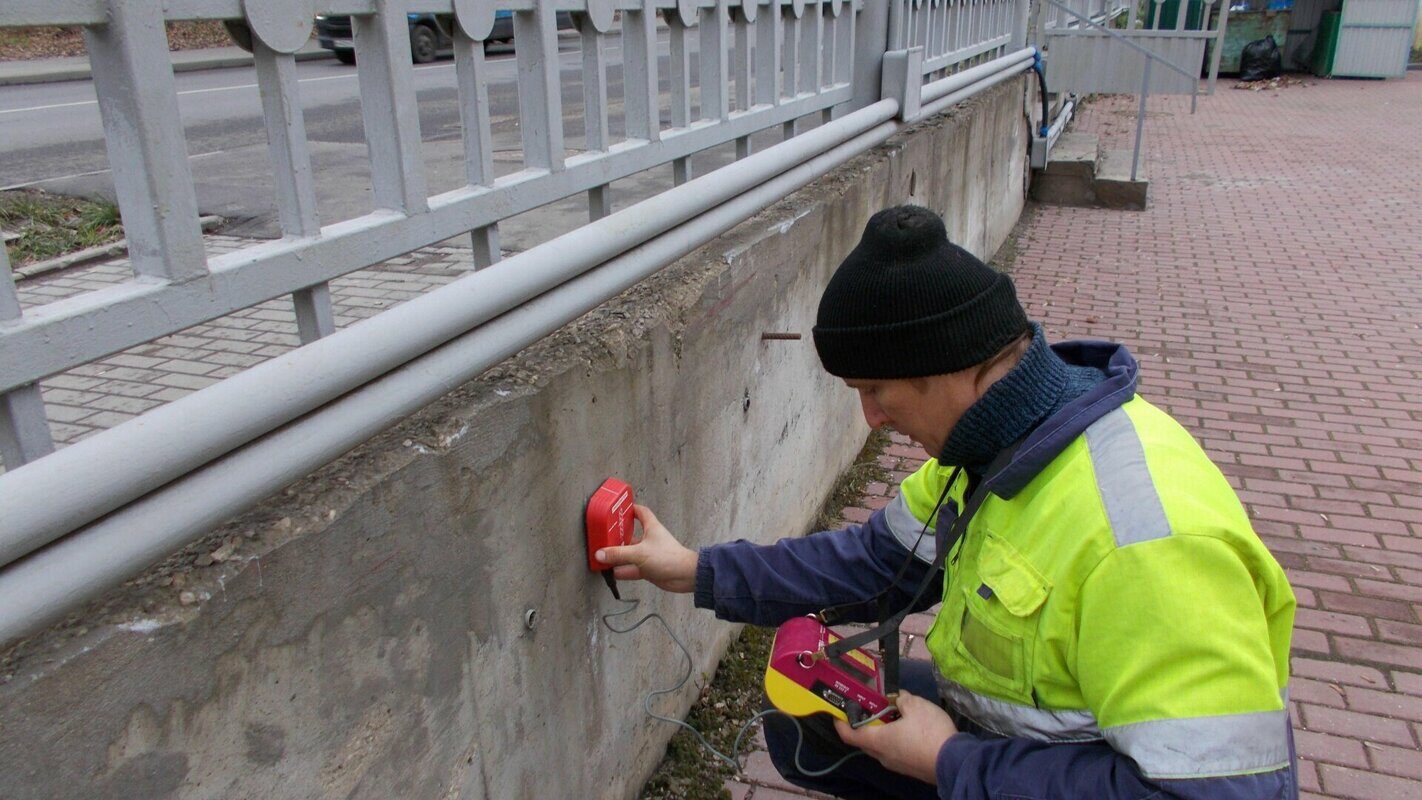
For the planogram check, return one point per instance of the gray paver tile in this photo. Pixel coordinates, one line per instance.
(131, 360)
(182, 381)
(70, 381)
(108, 419)
(63, 413)
(126, 405)
(170, 394)
(187, 367)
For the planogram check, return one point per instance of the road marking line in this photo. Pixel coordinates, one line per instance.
(46, 108)
(345, 76)
(90, 173)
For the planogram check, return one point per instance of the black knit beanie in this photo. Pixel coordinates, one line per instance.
(907, 303)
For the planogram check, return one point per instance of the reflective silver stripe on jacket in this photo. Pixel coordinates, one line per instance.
(1204, 747)
(1132, 505)
(1011, 719)
(906, 529)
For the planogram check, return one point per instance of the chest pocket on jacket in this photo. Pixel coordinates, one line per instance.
(999, 624)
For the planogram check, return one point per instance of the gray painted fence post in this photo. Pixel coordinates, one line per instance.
(295, 184)
(713, 60)
(595, 131)
(679, 66)
(743, 34)
(540, 99)
(138, 102)
(639, 47)
(1021, 23)
(473, 82)
(388, 108)
(903, 79)
(871, 41)
(24, 430)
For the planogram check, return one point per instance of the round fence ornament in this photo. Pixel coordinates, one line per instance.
(239, 32)
(836, 7)
(748, 9)
(475, 18)
(600, 15)
(284, 27)
(797, 7)
(686, 12)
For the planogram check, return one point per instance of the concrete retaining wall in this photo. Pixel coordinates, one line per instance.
(363, 633)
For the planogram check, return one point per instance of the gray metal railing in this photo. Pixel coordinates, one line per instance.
(1180, 39)
(81, 519)
(956, 33)
(1150, 58)
(146, 148)
(1101, 11)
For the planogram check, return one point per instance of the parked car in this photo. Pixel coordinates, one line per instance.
(431, 35)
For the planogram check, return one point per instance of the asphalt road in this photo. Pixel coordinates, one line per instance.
(51, 135)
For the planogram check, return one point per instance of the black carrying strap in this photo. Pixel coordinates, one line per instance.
(889, 628)
(830, 615)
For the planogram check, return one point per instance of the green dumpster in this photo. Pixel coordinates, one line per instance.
(1169, 13)
(1248, 26)
(1325, 45)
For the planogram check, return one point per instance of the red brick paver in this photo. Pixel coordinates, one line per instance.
(1273, 293)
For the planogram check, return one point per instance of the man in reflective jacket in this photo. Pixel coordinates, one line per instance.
(1110, 627)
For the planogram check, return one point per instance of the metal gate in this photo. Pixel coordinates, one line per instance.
(1084, 58)
(1375, 38)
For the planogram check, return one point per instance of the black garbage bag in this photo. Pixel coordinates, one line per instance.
(1261, 60)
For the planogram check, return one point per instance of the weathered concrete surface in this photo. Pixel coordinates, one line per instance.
(1070, 175)
(1114, 186)
(362, 634)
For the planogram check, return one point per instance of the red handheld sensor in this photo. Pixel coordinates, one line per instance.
(609, 524)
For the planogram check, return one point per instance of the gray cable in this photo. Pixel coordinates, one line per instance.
(745, 728)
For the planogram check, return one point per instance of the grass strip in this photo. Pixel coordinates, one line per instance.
(50, 225)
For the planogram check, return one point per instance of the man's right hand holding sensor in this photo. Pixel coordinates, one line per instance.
(657, 557)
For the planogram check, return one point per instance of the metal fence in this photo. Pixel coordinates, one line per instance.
(954, 33)
(1072, 15)
(1097, 46)
(176, 286)
(82, 518)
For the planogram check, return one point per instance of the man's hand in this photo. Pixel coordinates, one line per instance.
(908, 745)
(657, 557)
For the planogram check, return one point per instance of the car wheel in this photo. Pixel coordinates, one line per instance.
(345, 56)
(424, 47)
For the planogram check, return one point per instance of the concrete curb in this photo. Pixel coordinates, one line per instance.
(54, 70)
(209, 224)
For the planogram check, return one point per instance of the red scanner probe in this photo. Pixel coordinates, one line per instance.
(609, 524)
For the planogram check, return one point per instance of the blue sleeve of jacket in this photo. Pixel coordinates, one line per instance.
(975, 768)
(768, 584)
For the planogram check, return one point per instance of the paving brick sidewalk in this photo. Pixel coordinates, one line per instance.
(1273, 292)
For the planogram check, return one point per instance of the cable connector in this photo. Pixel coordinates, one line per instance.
(611, 583)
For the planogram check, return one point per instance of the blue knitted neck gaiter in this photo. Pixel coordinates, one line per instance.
(1039, 386)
